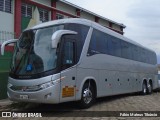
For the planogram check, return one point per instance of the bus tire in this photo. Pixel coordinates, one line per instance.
(87, 96)
(149, 88)
(144, 89)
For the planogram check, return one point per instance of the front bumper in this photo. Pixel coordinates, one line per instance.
(48, 95)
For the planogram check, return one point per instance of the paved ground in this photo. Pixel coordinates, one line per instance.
(130, 102)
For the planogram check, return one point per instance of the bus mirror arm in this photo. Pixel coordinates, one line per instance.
(58, 34)
(6, 43)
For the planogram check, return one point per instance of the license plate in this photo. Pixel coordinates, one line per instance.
(23, 97)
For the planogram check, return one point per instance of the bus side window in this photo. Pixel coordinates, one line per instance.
(126, 50)
(114, 46)
(93, 45)
(98, 43)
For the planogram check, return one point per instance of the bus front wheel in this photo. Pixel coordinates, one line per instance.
(87, 96)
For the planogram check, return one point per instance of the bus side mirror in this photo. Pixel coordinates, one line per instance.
(58, 34)
(6, 43)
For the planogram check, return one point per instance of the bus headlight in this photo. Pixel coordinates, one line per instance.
(46, 85)
(9, 85)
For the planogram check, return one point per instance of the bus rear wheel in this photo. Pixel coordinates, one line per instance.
(144, 89)
(87, 96)
(149, 88)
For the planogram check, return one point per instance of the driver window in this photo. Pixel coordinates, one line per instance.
(68, 57)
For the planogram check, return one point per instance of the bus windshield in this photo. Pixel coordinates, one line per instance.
(33, 53)
(158, 76)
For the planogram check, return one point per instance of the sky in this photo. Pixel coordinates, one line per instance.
(141, 18)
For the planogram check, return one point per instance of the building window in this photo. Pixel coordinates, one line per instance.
(26, 10)
(59, 16)
(5, 5)
(44, 15)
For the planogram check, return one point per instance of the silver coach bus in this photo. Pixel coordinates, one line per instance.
(77, 60)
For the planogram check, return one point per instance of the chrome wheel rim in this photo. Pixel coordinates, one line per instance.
(87, 96)
(149, 88)
(144, 89)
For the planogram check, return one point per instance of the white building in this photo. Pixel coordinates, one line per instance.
(17, 15)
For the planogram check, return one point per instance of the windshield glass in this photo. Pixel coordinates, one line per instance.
(158, 76)
(33, 53)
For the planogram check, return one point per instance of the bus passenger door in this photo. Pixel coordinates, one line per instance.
(68, 68)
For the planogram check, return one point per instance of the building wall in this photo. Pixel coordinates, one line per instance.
(104, 22)
(116, 27)
(30, 22)
(87, 16)
(7, 25)
(66, 8)
(67, 11)
(65, 16)
(45, 2)
(6, 32)
(7, 22)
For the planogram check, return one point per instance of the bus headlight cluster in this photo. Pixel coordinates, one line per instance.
(46, 85)
(9, 85)
(31, 88)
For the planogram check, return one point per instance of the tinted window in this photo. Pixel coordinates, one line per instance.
(68, 53)
(126, 50)
(143, 55)
(107, 44)
(102, 45)
(153, 58)
(114, 46)
(135, 53)
(148, 57)
(158, 76)
(80, 37)
(98, 43)
(93, 45)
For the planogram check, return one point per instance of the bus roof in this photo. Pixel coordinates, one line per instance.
(88, 23)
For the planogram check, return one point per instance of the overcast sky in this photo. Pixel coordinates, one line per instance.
(141, 17)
